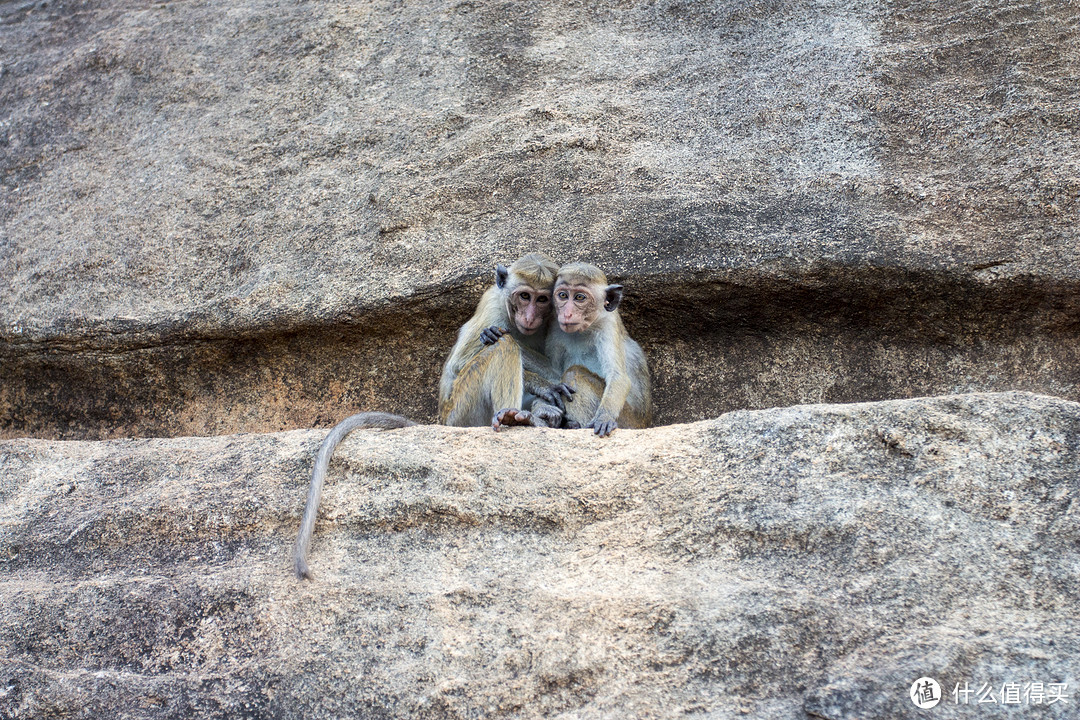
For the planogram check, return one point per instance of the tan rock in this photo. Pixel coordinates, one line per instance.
(774, 564)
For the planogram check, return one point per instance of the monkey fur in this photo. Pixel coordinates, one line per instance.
(383, 421)
(589, 346)
(488, 371)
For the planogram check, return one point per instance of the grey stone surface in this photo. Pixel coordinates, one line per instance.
(265, 215)
(802, 562)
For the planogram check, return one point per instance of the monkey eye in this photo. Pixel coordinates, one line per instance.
(524, 296)
(543, 299)
(563, 295)
(580, 297)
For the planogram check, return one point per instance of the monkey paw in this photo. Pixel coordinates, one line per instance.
(557, 395)
(547, 415)
(511, 416)
(491, 335)
(603, 425)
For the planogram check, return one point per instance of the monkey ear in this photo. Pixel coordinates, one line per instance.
(613, 297)
(501, 273)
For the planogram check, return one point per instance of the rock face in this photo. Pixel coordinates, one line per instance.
(266, 214)
(803, 562)
(261, 216)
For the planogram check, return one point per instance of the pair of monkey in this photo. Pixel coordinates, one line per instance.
(508, 367)
(511, 365)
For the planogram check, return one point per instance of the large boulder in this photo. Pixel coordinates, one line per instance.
(804, 562)
(263, 215)
(266, 214)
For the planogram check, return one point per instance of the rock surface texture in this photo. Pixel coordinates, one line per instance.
(808, 562)
(267, 214)
(222, 224)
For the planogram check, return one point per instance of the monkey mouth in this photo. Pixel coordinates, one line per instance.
(527, 330)
(570, 327)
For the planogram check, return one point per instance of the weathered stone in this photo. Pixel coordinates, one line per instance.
(809, 561)
(265, 214)
(268, 214)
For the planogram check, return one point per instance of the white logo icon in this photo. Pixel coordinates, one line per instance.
(925, 693)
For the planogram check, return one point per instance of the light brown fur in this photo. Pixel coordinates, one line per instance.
(594, 354)
(478, 380)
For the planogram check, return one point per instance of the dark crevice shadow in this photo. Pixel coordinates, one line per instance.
(716, 342)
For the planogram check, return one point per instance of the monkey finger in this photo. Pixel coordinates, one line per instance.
(551, 419)
(547, 415)
(550, 397)
(491, 335)
(497, 420)
(557, 395)
(604, 427)
(511, 416)
(522, 417)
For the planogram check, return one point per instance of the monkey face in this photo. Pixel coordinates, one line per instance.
(576, 307)
(530, 308)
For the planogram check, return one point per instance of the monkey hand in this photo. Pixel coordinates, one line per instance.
(511, 416)
(603, 423)
(557, 395)
(547, 415)
(491, 335)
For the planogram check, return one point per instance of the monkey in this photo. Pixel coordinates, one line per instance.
(596, 357)
(495, 363)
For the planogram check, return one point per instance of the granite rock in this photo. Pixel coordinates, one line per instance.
(811, 561)
(267, 214)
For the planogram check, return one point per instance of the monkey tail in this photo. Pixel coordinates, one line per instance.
(380, 420)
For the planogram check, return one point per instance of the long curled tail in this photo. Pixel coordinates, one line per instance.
(380, 420)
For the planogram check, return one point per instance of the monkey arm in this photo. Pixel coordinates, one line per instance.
(542, 380)
(553, 394)
(616, 389)
(617, 385)
(535, 381)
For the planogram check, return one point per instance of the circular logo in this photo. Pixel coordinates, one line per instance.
(925, 693)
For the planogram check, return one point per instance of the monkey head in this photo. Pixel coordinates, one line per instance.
(581, 290)
(526, 286)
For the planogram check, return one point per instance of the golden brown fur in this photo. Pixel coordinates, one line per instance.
(478, 380)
